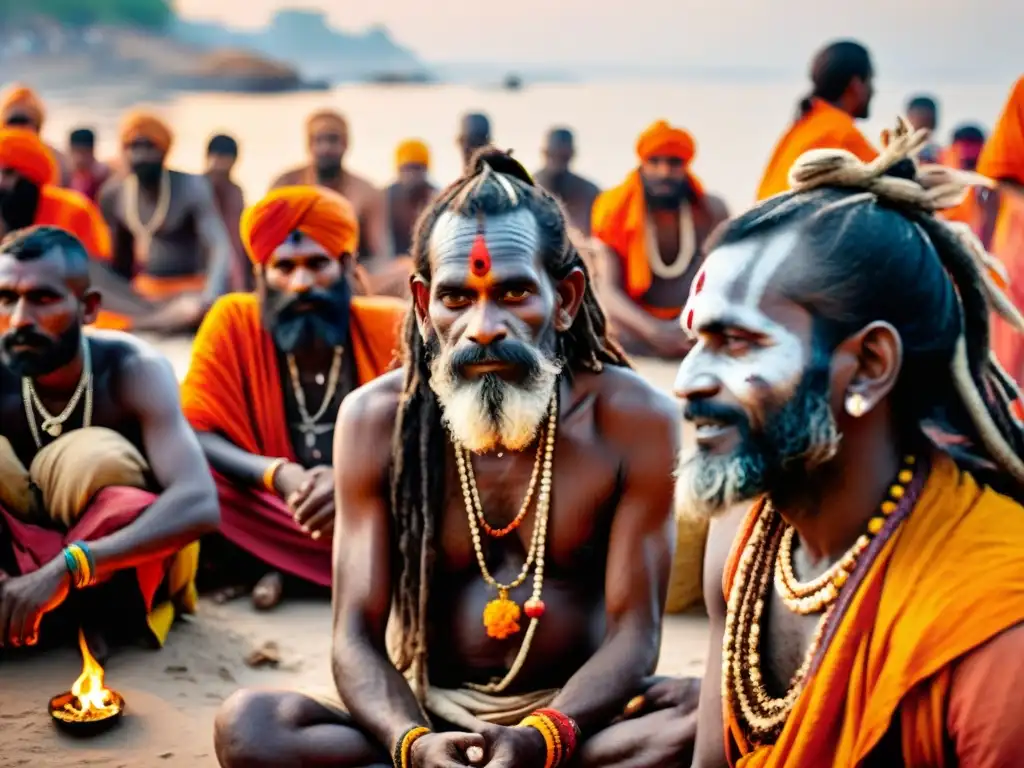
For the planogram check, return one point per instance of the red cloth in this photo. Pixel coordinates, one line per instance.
(260, 523)
(110, 510)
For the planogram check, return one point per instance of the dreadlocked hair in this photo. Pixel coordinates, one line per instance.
(881, 254)
(493, 184)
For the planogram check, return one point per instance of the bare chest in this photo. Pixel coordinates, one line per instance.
(584, 490)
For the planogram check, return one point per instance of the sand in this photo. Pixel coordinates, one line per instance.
(173, 694)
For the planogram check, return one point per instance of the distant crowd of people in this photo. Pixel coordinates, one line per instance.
(422, 400)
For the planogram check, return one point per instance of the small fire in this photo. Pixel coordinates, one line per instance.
(95, 701)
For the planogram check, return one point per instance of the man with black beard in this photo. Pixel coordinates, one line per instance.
(103, 486)
(327, 137)
(269, 370)
(505, 500)
(648, 237)
(576, 194)
(867, 609)
(171, 253)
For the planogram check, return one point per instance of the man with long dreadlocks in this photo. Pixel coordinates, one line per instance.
(541, 614)
(870, 610)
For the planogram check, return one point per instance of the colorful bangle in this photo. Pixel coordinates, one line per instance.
(568, 731)
(403, 747)
(549, 731)
(80, 564)
(270, 472)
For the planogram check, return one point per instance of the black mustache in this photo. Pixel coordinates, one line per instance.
(509, 351)
(703, 409)
(25, 338)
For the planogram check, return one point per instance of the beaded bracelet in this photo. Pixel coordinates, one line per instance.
(270, 472)
(80, 564)
(568, 730)
(403, 747)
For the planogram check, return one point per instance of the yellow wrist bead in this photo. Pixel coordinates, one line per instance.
(270, 472)
(405, 747)
(549, 731)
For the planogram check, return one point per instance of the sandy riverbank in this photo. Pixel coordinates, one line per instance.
(172, 694)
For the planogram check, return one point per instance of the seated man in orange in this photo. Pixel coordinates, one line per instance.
(268, 373)
(171, 253)
(28, 198)
(21, 107)
(327, 135)
(868, 609)
(842, 76)
(649, 231)
(1002, 160)
(100, 476)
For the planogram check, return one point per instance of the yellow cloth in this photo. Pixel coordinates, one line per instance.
(412, 152)
(19, 99)
(69, 473)
(950, 579)
(139, 124)
(823, 127)
(319, 213)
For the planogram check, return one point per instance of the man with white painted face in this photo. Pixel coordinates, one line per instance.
(517, 527)
(869, 611)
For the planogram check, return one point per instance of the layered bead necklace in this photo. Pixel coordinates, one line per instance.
(501, 615)
(768, 553)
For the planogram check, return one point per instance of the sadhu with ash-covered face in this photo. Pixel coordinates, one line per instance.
(503, 524)
(869, 610)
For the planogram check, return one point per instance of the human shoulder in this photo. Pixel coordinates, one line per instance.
(630, 411)
(135, 363)
(359, 190)
(717, 210)
(290, 177)
(233, 309)
(372, 408)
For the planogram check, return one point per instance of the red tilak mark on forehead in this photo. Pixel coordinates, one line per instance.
(480, 257)
(689, 320)
(699, 285)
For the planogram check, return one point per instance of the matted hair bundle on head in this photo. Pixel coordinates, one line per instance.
(884, 255)
(493, 184)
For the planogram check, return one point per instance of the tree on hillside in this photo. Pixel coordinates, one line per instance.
(149, 14)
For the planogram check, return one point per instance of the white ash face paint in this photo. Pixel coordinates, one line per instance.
(488, 413)
(733, 282)
(512, 234)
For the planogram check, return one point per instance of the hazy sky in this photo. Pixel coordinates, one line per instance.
(982, 36)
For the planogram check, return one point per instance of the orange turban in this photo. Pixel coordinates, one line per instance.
(21, 99)
(145, 125)
(661, 139)
(320, 214)
(24, 152)
(1003, 155)
(326, 120)
(412, 152)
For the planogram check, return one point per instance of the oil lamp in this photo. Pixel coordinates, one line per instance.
(89, 707)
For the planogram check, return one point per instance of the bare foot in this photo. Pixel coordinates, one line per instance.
(227, 594)
(267, 592)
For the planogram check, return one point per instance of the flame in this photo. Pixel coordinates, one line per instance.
(94, 698)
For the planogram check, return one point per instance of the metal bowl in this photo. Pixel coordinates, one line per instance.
(84, 728)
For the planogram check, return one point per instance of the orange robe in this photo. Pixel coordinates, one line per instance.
(1002, 159)
(74, 213)
(619, 220)
(233, 388)
(950, 579)
(823, 127)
